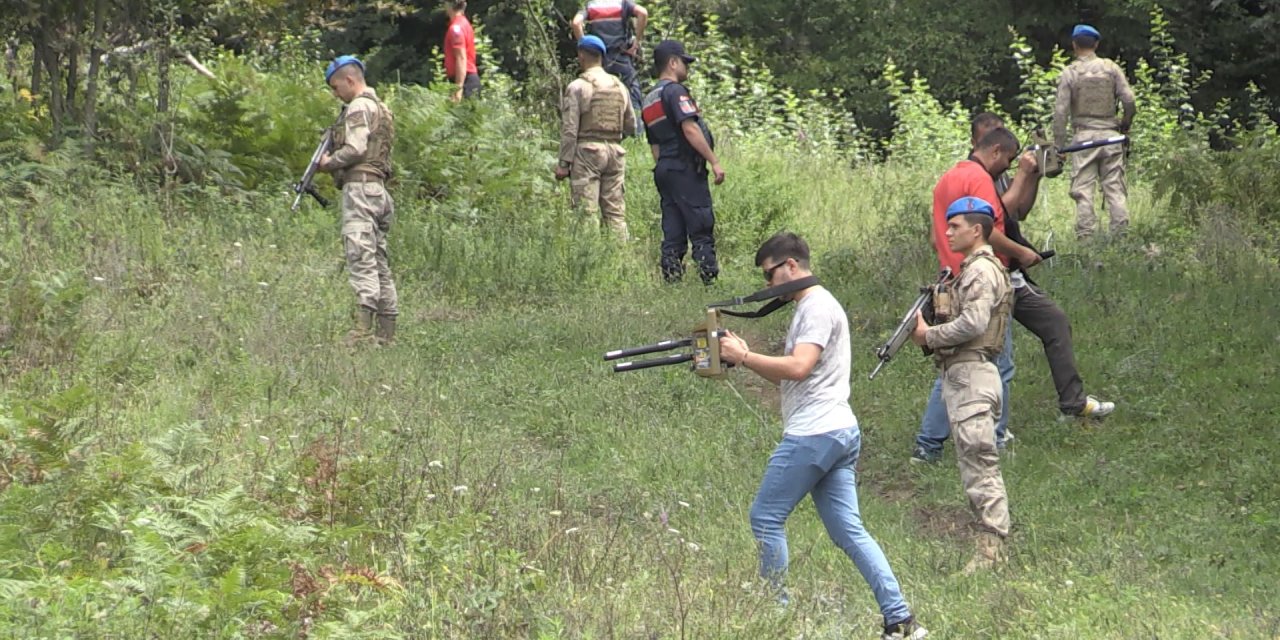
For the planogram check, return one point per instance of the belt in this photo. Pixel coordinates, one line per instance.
(965, 357)
(585, 140)
(362, 176)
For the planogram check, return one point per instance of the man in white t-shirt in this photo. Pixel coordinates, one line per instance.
(821, 440)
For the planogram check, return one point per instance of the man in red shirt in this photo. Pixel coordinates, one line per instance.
(975, 177)
(460, 51)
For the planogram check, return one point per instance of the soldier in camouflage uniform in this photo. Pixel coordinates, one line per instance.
(971, 314)
(361, 164)
(1088, 92)
(594, 115)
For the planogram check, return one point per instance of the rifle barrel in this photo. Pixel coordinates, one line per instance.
(1090, 144)
(903, 331)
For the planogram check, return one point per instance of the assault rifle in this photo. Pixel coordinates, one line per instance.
(1049, 157)
(704, 342)
(923, 303)
(306, 185)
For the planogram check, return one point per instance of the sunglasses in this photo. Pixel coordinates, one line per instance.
(768, 273)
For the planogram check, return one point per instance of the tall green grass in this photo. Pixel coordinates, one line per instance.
(190, 451)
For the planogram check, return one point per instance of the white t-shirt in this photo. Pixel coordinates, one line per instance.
(820, 402)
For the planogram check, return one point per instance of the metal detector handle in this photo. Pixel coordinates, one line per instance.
(665, 345)
(675, 358)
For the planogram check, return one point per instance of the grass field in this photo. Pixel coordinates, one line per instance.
(190, 451)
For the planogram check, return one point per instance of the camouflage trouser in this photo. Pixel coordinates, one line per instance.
(971, 392)
(1088, 167)
(367, 213)
(596, 179)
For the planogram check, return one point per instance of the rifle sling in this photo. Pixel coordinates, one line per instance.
(772, 294)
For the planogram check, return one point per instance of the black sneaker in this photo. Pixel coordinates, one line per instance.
(923, 456)
(908, 629)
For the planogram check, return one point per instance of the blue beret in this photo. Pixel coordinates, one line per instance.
(970, 204)
(340, 62)
(1085, 30)
(592, 43)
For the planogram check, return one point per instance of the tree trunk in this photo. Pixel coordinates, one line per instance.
(36, 85)
(49, 57)
(73, 58)
(163, 57)
(163, 125)
(11, 63)
(91, 79)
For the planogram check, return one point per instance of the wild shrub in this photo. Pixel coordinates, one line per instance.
(42, 324)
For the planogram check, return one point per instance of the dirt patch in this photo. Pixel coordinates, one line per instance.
(769, 394)
(895, 490)
(944, 521)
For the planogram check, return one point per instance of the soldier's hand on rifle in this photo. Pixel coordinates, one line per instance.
(917, 334)
(324, 161)
(733, 349)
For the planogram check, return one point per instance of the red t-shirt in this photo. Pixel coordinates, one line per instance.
(967, 178)
(459, 34)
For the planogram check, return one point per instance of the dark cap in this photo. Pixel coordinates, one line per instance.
(668, 49)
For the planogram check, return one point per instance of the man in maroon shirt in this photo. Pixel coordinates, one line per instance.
(460, 51)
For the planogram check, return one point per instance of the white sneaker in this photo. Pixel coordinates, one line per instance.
(1093, 408)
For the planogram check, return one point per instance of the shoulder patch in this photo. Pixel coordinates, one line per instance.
(687, 106)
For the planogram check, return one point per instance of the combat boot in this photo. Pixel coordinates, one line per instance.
(386, 332)
(989, 553)
(363, 331)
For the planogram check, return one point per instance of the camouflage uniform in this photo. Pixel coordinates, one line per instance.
(595, 113)
(361, 164)
(1088, 91)
(969, 336)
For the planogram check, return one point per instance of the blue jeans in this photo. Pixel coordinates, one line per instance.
(935, 427)
(822, 465)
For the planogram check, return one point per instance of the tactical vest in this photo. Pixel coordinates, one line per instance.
(1093, 92)
(610, 20)
(603, 117)
(382, 134)
(947, 298)
(664, 132)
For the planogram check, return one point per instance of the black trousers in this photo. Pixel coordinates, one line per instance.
(687, 219)
(470, 85)
(1043, 317)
